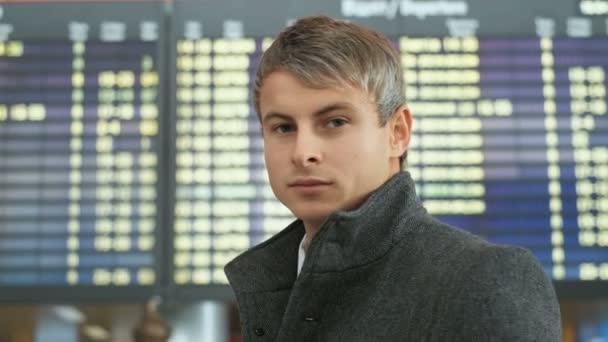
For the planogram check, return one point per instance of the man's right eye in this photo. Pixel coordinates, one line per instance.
(283, 128)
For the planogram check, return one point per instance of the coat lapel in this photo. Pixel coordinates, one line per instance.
(262, 279)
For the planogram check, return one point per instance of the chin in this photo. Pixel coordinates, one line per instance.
(313, 214)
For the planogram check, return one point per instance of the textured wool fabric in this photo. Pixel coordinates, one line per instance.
(388, 271)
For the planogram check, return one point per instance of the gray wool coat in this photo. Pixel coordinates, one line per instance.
(388, 271)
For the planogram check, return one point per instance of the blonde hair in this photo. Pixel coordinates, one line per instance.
(327, 53)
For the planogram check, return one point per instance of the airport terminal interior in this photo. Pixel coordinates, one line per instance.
(132, 166)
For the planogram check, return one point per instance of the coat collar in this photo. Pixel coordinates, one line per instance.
(347, 239)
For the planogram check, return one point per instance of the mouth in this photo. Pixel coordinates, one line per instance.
(309, 182)
(309, 186)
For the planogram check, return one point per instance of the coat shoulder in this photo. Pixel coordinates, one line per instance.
(429, 239)
(481, 290)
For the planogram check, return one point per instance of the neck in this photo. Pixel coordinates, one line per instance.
(311, 228)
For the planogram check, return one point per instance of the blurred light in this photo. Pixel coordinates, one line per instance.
(69, 314)
(95, 332)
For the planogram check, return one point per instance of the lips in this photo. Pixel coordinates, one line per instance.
(309, 182)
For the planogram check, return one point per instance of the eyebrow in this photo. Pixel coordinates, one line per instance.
(320, 112)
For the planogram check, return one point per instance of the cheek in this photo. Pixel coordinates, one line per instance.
(362, 147)
(268, 160)
(273, 159)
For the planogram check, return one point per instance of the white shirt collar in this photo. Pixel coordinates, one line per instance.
(301, 254)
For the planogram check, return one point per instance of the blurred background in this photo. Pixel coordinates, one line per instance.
(131, 165)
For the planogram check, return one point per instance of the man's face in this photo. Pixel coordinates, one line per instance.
(324, 148)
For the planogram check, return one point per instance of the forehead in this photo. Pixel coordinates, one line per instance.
(283, 91)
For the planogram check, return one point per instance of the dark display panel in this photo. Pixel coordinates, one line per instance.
(510, 142)
(510, 130)
(79, 147)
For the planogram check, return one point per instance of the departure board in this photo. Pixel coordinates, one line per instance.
(512, 143)
(216, 186)
(510, 136)
(79, 145)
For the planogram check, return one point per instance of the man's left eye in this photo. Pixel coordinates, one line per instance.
(336, 123)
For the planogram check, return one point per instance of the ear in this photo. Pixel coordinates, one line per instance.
(400, 126)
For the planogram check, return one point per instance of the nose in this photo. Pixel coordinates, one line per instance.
(307, 149)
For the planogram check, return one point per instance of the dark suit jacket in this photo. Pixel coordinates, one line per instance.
(388, 271)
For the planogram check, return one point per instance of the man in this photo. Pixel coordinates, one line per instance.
(364, 261)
